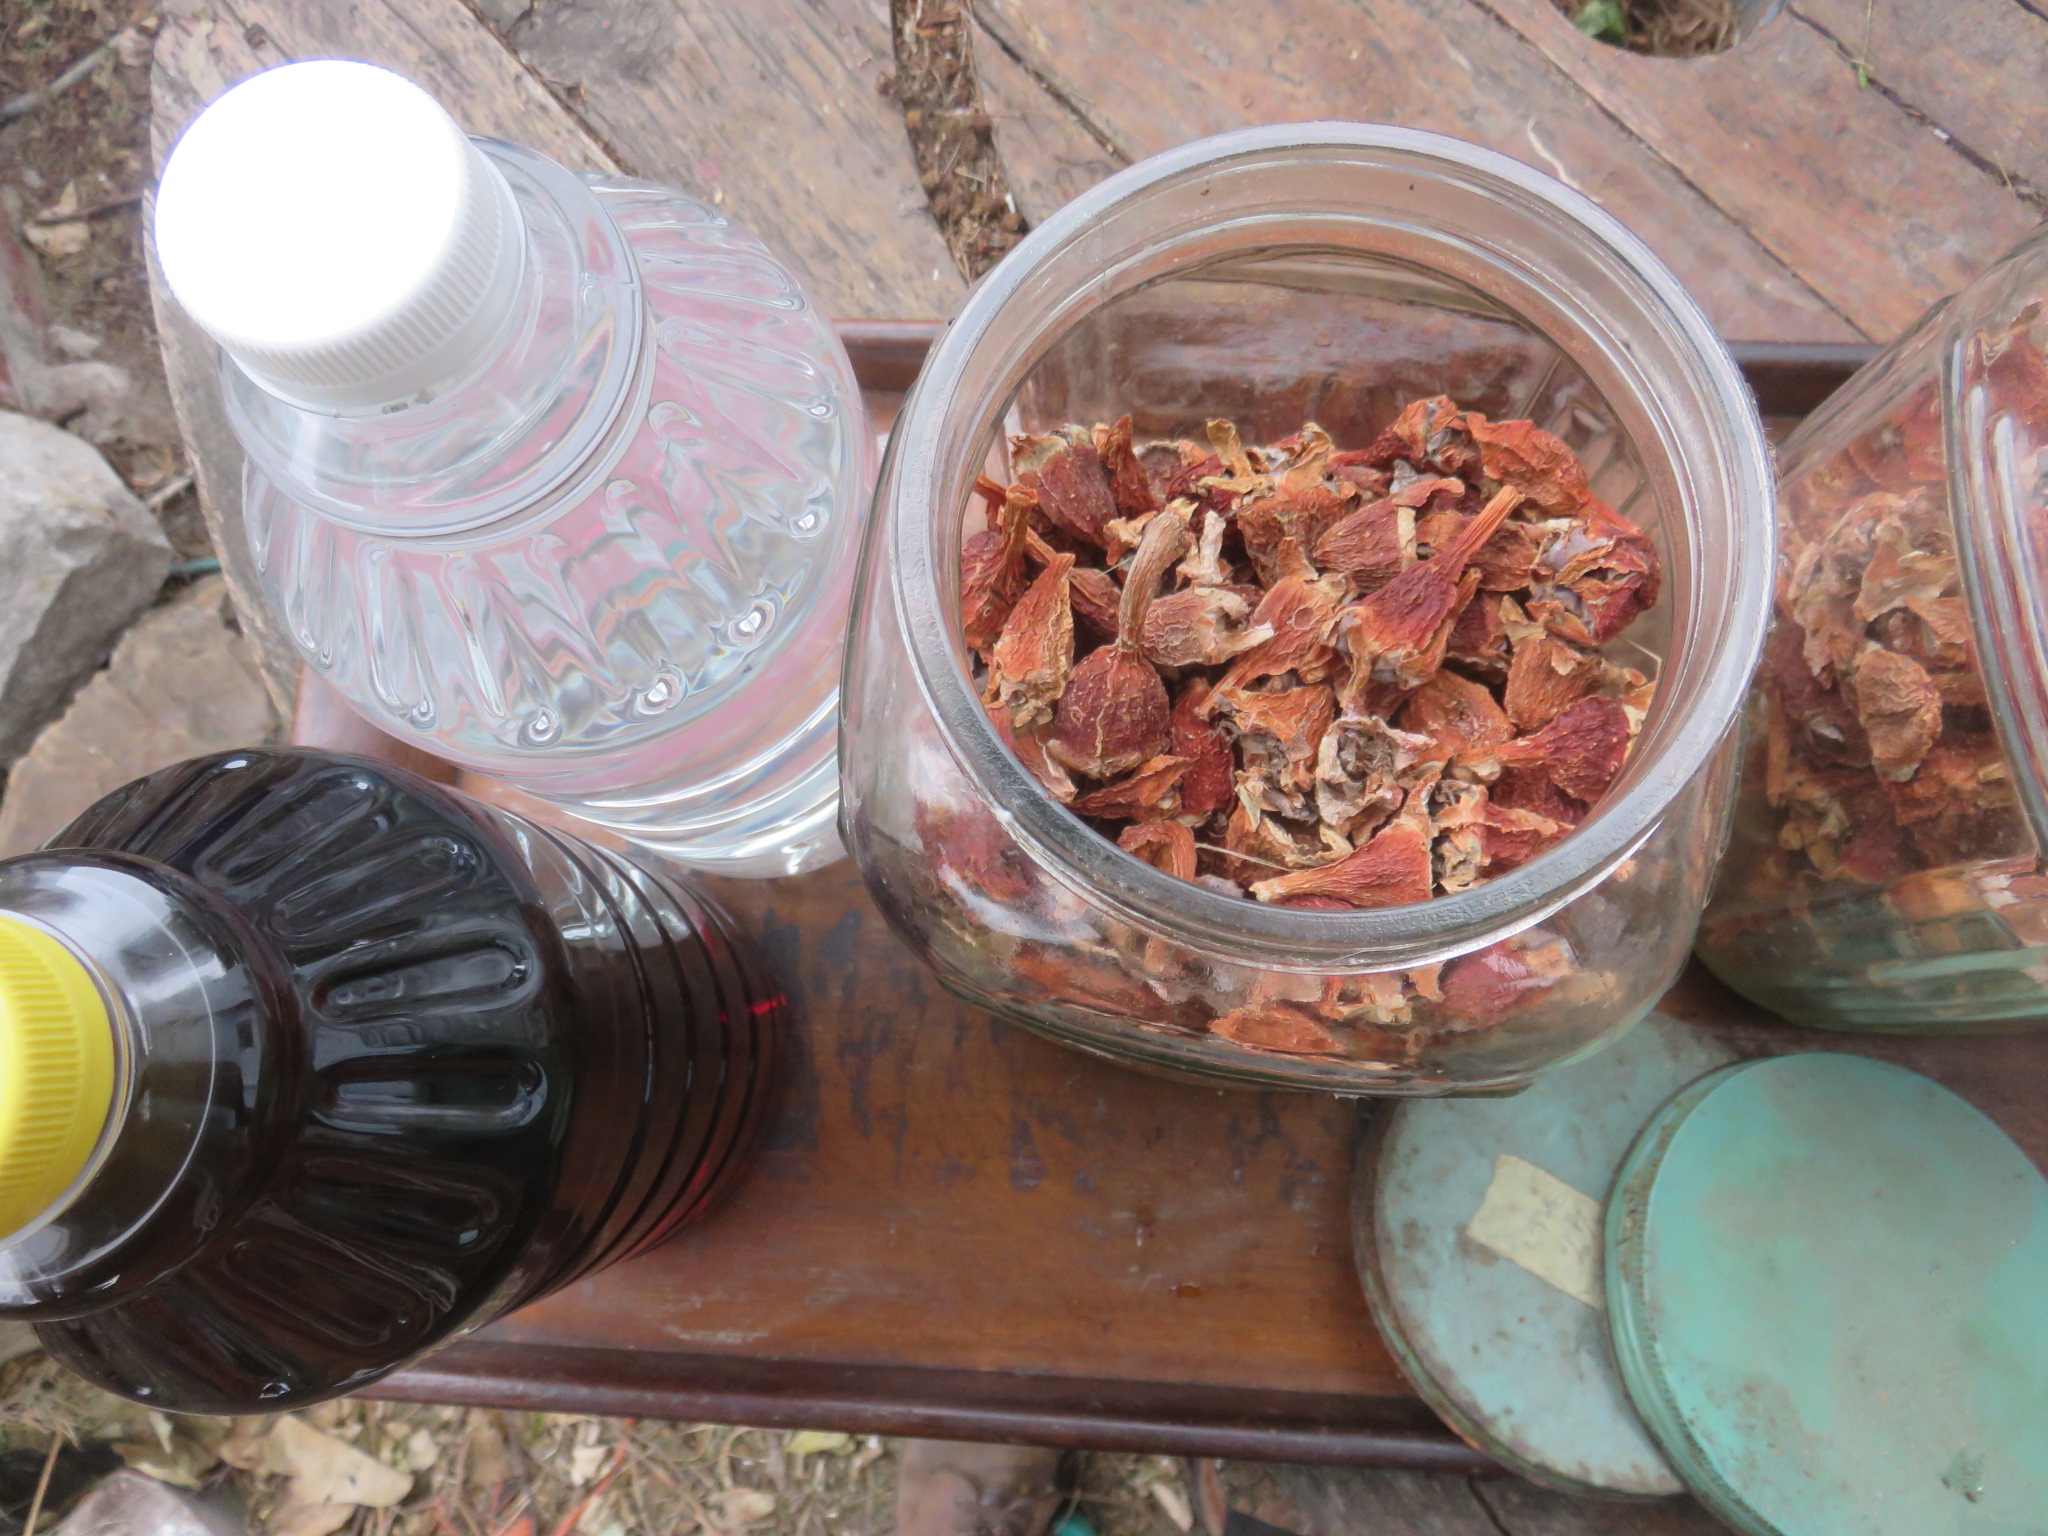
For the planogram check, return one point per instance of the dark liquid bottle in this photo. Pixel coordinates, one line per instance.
(386, 1065)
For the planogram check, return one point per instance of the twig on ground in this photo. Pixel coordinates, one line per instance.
(35, 1508)
(28, 101)
(90, 210)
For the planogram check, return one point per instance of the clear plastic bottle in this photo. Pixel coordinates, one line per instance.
(308, 1066)
(560, 477)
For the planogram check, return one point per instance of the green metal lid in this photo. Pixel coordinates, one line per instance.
(1828, 1284)
(1477, 1231)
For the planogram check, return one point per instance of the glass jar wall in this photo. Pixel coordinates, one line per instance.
(1329, 272)
(1885, 872)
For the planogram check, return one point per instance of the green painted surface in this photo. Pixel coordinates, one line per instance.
(1519, 1366)
(1828, 1281)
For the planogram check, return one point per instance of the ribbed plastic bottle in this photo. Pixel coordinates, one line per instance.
(558, 476)
(308, 1065)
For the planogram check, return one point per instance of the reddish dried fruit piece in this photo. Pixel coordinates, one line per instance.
(1398, 634)
(992, 565)
(1899, 709)
(1372, 545)
(1361, 771)
(1546, 677)
(1276, 1027)
(1151, 791)
(1460, 718)
(1165, 845)
(1210, 784)
(1128, 486)
(1390, 871)
(1201, 627)
(1593, 577)
(1479, 637)
(1580, 751)
(1300, 614)
(1284, 515)
(1278, 736)
(1072, 486)
(1483, 987)
(1096, 599)
(1411, 436)
(1511, 837)
(1114, 713)
(1533, 461)
(1457, 813)
(1035, 651)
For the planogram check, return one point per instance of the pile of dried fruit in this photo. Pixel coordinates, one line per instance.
(1880, 753)
(1324, 679)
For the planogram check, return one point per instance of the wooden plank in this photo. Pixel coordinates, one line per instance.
(770, 109)
(1977, 69)
(207, 45)
(945, 1190)
(1172, 1418)
(1445, 65)
(1050, 155)
(1877, 213)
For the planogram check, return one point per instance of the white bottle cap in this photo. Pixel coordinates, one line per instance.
(336, 232)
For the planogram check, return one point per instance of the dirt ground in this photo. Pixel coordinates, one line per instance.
(481, 1472)
(73, 172)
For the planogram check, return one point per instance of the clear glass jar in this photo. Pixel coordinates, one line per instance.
(1885, 872)
(611, 564)
(1327, 271)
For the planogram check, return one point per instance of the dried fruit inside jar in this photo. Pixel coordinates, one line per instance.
(1883, 853)
(1317, 677)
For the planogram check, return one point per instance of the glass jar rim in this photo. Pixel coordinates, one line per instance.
(1689, 356)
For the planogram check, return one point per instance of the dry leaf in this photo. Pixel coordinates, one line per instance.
(325, 1469)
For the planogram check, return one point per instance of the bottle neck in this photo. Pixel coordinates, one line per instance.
(524, 418)
(191, 1023)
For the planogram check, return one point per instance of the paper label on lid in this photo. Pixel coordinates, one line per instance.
(1533, 1219)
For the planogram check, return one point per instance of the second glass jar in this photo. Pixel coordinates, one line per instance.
(1327, 272)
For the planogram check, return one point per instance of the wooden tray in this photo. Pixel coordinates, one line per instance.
(960, 1230)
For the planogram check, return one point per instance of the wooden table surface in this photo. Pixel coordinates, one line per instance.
(956, 1227)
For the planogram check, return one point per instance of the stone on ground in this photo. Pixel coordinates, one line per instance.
(181, 683)
(79, 558)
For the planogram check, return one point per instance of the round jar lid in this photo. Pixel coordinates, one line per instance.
(1828, 1283)
(1477, 1228)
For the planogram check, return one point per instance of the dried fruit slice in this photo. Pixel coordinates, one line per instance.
(1114, 714)
(992, 566)
(1129, 488)
(1035, 651)
(1200, 627)
(1149, 793)
(1392, 870)
(1533, 461)
(1546, 677)
(1210, 784)
(1458, 716)
(1392, 632)
(1276, 1027)
(1372, 545)
(1580, 751)
(1072, 486)
(1300, 613)
(1165, 845)
(1899, 709)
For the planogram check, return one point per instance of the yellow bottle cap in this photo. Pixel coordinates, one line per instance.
(56, 1071)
